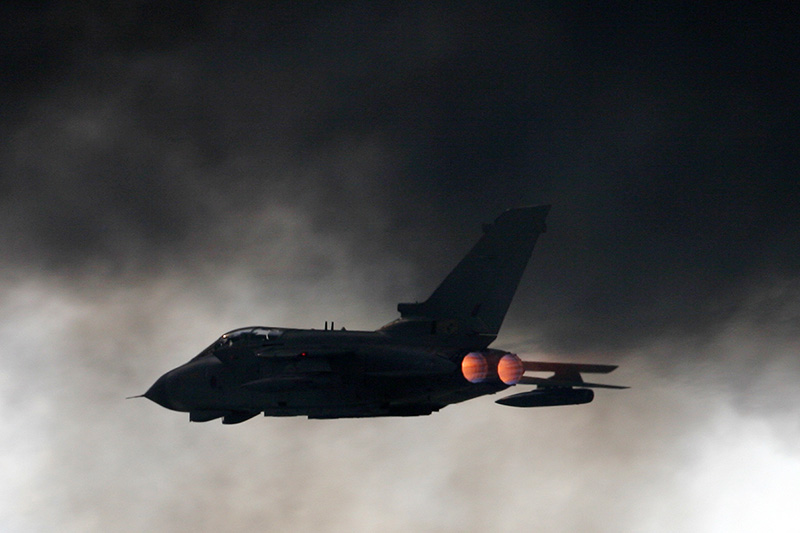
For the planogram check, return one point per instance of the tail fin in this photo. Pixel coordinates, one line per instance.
(479, 290)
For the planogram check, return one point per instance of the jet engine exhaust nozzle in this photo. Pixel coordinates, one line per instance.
(474, 367)
(477, 367)
(510, 369)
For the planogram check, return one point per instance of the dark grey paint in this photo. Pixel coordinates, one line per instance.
(409, 367)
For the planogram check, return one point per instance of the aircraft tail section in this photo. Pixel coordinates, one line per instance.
(477, 293)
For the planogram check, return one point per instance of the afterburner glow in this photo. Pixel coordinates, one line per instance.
(510, 369)
(474, 367)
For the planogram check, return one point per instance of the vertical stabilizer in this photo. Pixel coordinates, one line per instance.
(477, 293)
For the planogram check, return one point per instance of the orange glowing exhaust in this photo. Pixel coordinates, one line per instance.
(510, 369)
(492, 365)
(474, 367)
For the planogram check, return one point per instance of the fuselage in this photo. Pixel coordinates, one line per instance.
(322, 374)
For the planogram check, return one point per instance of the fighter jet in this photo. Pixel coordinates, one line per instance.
(436, 354)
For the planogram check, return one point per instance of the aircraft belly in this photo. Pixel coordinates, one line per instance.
(312, 389)
(340, 397)
(467, 391)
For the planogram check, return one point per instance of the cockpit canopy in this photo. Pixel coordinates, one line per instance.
(246, 339)
(249, 336)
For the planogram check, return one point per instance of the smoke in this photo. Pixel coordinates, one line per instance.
(81, 457)
(169, 175)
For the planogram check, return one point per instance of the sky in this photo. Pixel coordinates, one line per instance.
(171, 172)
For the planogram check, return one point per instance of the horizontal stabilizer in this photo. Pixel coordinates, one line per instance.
(551, 382)
(565, 375)
(560, 368)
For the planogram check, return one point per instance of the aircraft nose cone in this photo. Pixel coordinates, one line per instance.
(158, 393)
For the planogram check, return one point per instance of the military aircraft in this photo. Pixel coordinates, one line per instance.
(436, 354)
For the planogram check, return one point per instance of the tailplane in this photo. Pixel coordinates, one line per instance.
(475, 296)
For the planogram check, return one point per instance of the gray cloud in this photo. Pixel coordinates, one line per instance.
(693, 438)
(168, 175)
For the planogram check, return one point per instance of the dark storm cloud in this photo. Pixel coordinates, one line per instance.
(167, 173)
(141, 138)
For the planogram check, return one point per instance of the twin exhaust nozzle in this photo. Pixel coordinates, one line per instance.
(478, 367)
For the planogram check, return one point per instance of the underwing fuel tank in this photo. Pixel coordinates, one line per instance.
(548, 397)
